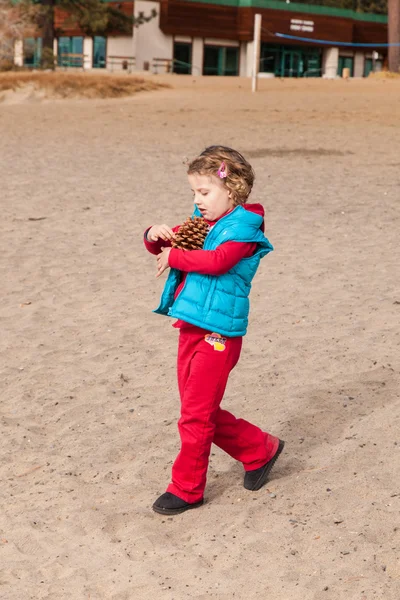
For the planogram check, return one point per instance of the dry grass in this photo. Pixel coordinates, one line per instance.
(384, 75)
(78, 85)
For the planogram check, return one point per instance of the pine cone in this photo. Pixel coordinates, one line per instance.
(191, 234)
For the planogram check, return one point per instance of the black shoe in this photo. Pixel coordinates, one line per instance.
(169, 504)
(254, 480)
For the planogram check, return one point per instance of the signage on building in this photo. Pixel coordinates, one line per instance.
(300, 25)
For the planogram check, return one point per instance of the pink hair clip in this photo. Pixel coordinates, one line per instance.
(222, 171)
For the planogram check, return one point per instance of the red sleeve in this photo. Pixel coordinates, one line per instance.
(155, 247)
(211, 262)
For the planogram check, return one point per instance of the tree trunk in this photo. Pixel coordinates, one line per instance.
(48, 33)
(394, 34)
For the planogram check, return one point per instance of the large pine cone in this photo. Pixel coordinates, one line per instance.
(191, 234)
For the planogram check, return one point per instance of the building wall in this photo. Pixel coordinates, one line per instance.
(280, 21)
(203, 19)
(221, 42)
(118, 46)
(365, 33)
(199, 19)
(149, 41)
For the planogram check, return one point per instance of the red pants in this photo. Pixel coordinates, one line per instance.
(202, 377)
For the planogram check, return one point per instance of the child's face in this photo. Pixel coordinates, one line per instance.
(211, 196)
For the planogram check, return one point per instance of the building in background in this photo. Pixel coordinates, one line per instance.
(215, 37)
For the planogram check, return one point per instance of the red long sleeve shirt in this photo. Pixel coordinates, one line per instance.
(206, 262)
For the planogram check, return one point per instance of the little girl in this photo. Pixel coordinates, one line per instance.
(207, 291)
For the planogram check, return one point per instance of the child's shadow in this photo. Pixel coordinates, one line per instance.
(231, 481)
(324, 417)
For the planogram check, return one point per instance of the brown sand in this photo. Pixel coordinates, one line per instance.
(89, 400)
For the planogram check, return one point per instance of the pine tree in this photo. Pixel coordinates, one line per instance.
(394, 35)
(378, 7)
(16, 22)
(94, 17)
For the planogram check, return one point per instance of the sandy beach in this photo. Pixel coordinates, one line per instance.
(89, 401)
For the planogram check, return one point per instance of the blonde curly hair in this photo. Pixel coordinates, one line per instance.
(239, 173)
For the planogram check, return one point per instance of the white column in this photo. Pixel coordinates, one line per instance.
(88, 53)
(118, 46)
(19, 53)
(358, 64)
(55, 47)
(330, 62)
(243, 60)
(249, 58)
(197, 56)
(256, 51)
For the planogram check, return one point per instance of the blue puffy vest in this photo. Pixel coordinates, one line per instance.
(220, 303)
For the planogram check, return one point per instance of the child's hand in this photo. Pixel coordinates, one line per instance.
(160, 231)
(162, 261)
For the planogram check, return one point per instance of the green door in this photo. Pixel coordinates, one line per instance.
(292, 64)
(63, 51)
(345, 62)
(270, 59)
(286, 61)
(32, 52)
(286, 64)
(99, 52)
(313, 65)
(182, 58)
(211, 60)
(231, 61)
(220, 60)
(368, 66)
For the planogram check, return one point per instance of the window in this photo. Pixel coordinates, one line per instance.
(182, 58)
(221, 60)
(70, 51)
(32, 52)
(99, 52)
